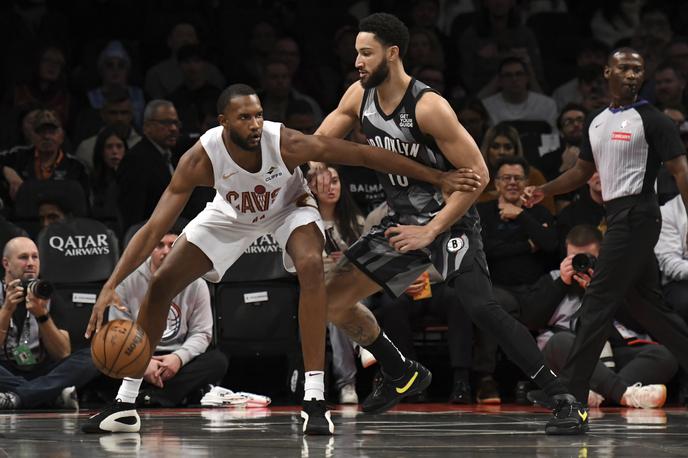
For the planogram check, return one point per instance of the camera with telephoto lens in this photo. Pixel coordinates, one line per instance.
(582, 262)
(39, 288)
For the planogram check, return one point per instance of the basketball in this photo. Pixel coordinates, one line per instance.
(121, 349)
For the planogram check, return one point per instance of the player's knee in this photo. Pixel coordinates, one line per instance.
(309, 268)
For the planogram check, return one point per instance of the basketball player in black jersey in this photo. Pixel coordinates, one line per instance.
(402, 114)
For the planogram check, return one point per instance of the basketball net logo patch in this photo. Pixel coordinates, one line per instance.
(455, 244)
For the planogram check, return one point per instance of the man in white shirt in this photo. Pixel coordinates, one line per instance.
(181, 362)
(672, 253)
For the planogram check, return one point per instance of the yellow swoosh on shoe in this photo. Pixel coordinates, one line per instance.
(583, 415)
(405, 388)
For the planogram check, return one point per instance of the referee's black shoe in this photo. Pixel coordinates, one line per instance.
(316, 418)
(569, 417)
(388, 393)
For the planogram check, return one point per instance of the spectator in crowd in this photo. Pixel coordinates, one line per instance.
(182, 362)
(147, 168)
(585, 208)
(424, 49)
(570, 124)
(666, 183)
(195, 92)
(672, 253)
(117, 109)
(300, 117)
(473, 116)
(52, 211)
(615, 20)
(670, 85)
(341, 61)
(303, 80)
(36, 364)
(634, 373)
(519, 245)
(250, 66)
(343, 223)
(497, 33)
(432, 76)
(277, 93)
(46, 159)
(652, 35)
(48, 86)
(677, 53)
(514, 101)
(114, 65)
(110, 148)
(166, 76)
(13, 181)
(502, 141)
(590, 58)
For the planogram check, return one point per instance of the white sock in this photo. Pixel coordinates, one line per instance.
(314, 386)
(129, 389)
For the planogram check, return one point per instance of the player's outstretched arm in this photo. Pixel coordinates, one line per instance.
(194, 169)
(572, 179)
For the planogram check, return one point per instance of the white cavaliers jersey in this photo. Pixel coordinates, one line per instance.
(252, 197)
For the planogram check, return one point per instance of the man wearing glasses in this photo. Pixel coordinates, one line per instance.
(519, 242)
(147, 168)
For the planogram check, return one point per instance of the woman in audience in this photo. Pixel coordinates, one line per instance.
(500, 141)
(343, 224)
(110, 148)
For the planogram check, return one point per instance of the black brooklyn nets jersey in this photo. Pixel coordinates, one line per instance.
(411, 201)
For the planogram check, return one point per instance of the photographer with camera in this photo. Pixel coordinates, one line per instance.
(632, 368)
(36, 363)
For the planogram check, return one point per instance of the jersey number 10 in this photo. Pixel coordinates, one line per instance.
(398, 180)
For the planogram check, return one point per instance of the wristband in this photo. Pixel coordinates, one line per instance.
(43, 318)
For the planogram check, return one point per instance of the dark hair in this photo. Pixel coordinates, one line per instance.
(388, 30)
(102, 174)
(513, 160)
(571, 106)
(470, 103)
(235, 90)
(346, 213)
(511, 60)
(583, 234)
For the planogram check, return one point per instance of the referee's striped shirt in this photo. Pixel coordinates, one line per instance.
(628, 145)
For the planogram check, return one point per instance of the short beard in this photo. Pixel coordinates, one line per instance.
(242, 142)
(377, 77)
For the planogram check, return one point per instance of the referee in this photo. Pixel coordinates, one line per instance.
(626, 142)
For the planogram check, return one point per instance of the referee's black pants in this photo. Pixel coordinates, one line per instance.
(626, 268)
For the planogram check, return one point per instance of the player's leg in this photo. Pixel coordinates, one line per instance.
(185, 263)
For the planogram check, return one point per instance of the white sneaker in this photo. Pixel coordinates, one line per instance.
(219, 396)
(347, 394)
(367, 358)
(645, 397)
(68, 399)
(594, 399)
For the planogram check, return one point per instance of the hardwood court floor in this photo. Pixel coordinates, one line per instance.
(421, 430)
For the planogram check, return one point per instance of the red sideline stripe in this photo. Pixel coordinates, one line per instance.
(624, 136)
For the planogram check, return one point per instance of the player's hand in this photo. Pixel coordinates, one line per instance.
(152, 374)
(319, 178)
(13, 295)
(107, 297)
(409, 238)
(509, 212)
(532, 195)
(462, 179)
(169, 366)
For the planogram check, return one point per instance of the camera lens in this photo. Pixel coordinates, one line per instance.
(583, 261)
(39, 288)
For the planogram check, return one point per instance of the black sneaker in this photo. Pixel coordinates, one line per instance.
(461, 393)
(120, 417)
(569, 416)
(388, 393)
(316, 418)
(488, 391)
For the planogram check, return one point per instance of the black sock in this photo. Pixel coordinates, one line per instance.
(549, 382)
(460, 373)
(391, 360)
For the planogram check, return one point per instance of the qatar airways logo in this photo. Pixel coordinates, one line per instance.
(80, 245)
(258, 200)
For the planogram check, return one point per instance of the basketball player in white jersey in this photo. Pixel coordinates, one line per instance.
(254, 166)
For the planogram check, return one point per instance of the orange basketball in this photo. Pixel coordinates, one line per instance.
(121, 349)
